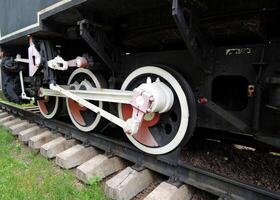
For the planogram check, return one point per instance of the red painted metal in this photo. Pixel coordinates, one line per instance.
(43, 107)
(76, 111)
(144, 135)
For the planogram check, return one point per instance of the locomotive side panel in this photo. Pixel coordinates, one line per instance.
(24, 16)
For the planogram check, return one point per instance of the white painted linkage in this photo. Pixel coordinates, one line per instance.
(89, 105)
(93, 94)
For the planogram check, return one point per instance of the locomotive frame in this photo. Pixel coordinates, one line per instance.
(235, 84)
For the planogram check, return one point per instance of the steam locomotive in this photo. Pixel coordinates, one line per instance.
(158, 69)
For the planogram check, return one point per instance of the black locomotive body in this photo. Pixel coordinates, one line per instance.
(224, 57)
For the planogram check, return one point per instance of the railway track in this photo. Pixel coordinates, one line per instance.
(32, 128)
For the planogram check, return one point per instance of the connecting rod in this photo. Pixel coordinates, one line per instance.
(121, 123)
(93, 94)
(148, 97)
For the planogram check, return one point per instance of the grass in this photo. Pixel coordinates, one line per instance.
(275, 154)
(27, 105)
(27, 175)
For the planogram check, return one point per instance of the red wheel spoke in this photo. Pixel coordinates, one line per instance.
(43, 107)
(76, 112)
(144, 135)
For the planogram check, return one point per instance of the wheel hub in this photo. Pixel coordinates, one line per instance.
(162, 96)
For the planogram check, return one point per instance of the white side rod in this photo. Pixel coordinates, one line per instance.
(94, 94)
(90, 106)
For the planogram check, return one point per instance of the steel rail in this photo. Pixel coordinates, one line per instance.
(169, 165)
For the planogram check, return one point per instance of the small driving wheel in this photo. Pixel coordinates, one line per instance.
(82, 117)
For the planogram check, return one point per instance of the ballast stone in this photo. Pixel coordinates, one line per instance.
(100, 166)
(75, 156)
(166, 191)
(21, 126)
(56, 146)
(37, 141)
(26, 134)
(128, 183)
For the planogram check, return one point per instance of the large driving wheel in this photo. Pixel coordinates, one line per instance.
(161, 133)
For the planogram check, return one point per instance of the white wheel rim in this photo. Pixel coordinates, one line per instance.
(175, 142)
(100, 104)
(54, 111)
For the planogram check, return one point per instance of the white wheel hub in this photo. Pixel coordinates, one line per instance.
(163, 97)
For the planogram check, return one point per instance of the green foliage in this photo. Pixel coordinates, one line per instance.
(26, 175)
(18, 146)
(95, 181)
(275, 154)
(31, 104)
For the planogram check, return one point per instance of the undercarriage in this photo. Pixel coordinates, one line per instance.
(156, 69)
